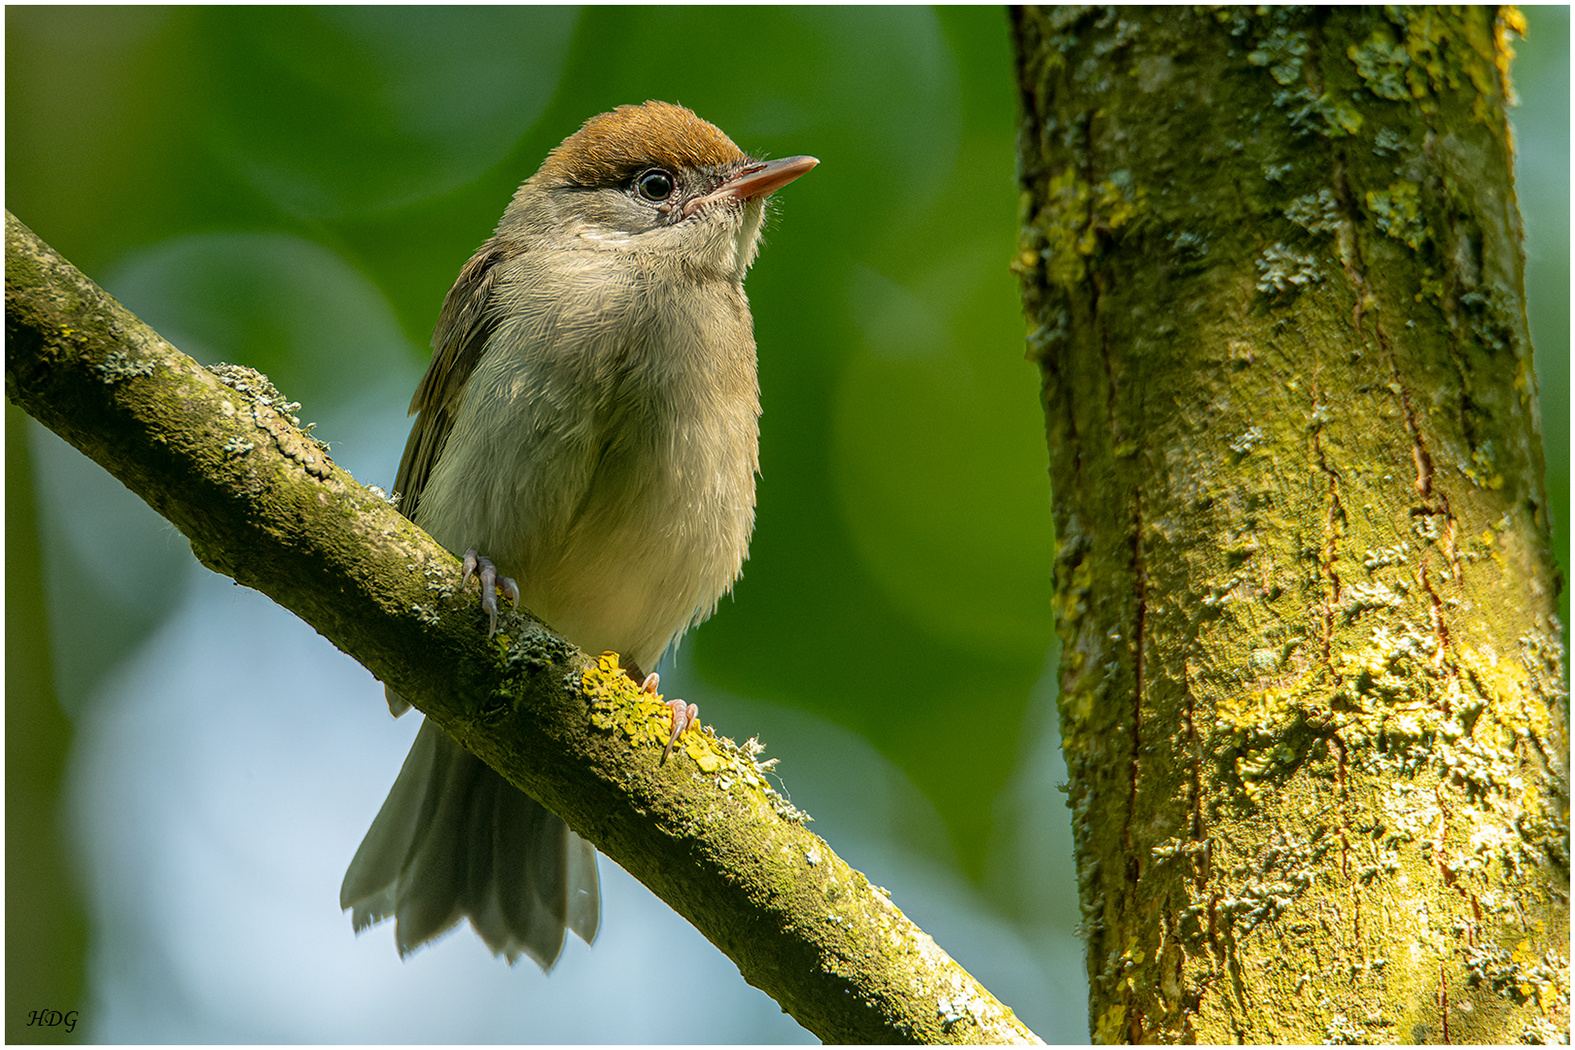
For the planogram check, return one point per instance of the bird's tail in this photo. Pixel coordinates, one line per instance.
(454, 840)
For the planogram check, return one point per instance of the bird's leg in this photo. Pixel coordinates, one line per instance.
(684, 714)
(487, 573)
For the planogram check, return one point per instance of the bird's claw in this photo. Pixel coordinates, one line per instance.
(684, 716)
(491, 582)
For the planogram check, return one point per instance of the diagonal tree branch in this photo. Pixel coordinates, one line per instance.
(262, 503)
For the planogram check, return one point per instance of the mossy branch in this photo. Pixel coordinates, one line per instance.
(261, 502)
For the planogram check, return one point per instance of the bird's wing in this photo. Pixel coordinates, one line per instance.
(463, 328)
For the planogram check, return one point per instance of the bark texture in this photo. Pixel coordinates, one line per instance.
(263, 503)
(1312, 698)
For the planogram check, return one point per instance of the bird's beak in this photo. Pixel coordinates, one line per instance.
(755, 181)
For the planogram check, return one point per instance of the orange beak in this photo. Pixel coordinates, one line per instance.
(756, 180)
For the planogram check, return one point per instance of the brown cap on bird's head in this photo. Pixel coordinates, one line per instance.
(611, 146)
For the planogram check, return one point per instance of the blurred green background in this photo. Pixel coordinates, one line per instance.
(295, 189)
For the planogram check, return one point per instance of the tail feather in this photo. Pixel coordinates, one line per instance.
(455, 840)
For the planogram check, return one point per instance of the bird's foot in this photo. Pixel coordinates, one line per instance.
(491, 583)
(684, 714)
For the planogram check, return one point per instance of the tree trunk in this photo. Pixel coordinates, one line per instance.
(1312, 686)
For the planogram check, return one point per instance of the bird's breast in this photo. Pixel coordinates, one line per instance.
(606, 458)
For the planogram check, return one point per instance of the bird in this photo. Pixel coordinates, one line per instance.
(587, 434)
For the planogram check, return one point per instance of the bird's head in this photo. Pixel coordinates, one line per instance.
(654, 178)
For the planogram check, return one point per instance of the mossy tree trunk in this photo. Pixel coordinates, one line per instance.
(1312, 696)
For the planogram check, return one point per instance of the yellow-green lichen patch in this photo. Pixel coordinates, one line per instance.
(1398, 212)
(1426, 68)
(1445, 739)
(1483, 471)
(1438, 51)
(1423, 61)
(618, 705)
(1110, 1027)
(1118, 200)
(1076, 212)
(1382, 62)
(1267, 712)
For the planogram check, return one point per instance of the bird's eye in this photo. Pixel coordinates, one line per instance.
(655, 185)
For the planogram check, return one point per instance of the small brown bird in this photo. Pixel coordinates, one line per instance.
(588, 427)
